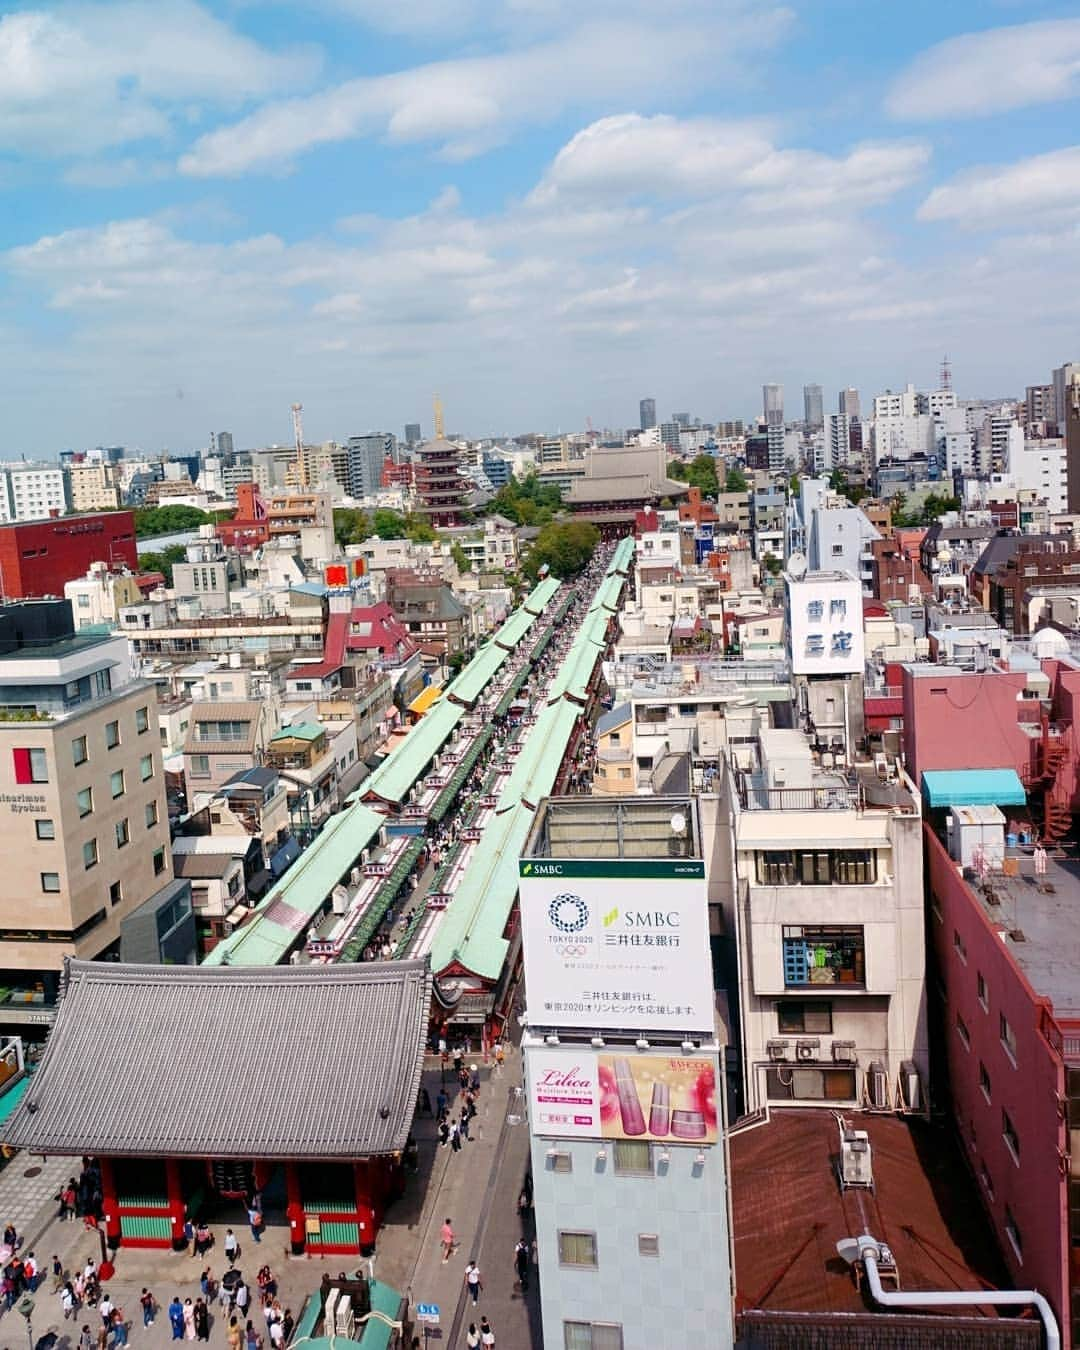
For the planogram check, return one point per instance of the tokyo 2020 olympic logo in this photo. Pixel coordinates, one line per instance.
(568, 913)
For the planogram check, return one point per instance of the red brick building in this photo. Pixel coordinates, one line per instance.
(38, 556)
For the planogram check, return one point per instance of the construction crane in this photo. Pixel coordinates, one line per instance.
(440, 426)
(298, 438)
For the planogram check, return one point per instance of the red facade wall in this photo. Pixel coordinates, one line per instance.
(38, 557)
(1030, 1090)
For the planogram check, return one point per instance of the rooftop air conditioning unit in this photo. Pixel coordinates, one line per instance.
(877, 1086)
(843, 1052)
(910, 1085)
(855, 1165)
(806, 1049)
(777, 1050)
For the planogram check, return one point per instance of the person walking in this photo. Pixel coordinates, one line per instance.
(255, 1222)
(118, 1328)
(67, 1300)
(86, 1339)
(235, 1335)
(449, 1241)
(455, 1137)
(463, 1124)
(232, 1247)
(472, 1282)
(176, 1318)
(521, 1264)
(472, 1340)
(243, 1296)
(189, 1319)
(202, 1321)
(146, 1302)
(487, 1336)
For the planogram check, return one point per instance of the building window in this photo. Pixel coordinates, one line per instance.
(79, 753)
(112, 735)
(90, 854)
(1008, 1037)
(44, 829)
(200, 766)
(592, 1336)
(959, 946)
(1012, 1139)
(1012, 1232)
(983, 992)
(50, 882)
(984, 1080)
(633, 1158)
(151, 815)
(142, 720)
(825, 867)
(159, 861)
(31, 766)
(796, 1019)
(648, 1244)
(116, 783)
(829, 954)
(562, 1162)
(116, 893)
(84, 799)
(962, 1032)
(146, 767)
(123, 835)
(577, 1249)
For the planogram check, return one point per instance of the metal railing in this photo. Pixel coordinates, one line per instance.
(826, 797)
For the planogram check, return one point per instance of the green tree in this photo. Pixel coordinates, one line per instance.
(350, 527)
(701, 473)
(461, 562)
(419, 530)
(526, 501)
(677, 469)
(163, 561)
(154, 520)
(388, 524)
(936, 504)
(772, 564)
(564, 546)
(735, 481)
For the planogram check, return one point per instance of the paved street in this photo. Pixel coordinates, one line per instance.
(477, 1189)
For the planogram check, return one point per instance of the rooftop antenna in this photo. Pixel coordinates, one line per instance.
(298, 438)
(440, 426)
(946, 372)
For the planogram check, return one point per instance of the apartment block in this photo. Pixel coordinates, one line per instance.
(82, 788)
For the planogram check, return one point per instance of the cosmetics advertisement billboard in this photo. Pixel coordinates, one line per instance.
(590, 1094)
(617, 945)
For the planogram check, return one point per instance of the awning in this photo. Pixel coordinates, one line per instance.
(973, 787)
(425, 698)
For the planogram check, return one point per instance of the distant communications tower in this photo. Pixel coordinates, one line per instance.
(946, 373)
(298, 439)
(440, 425)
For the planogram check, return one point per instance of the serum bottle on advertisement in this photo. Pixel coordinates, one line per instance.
(633, 1120)
(660, 1111)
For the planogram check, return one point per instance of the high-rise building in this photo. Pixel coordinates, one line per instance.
(681, 419)
(848, 403)
(773, 404)
(1039, 403)
(647, 413)
(669, 435)
(83, 795)
(1063, 377)
(367, 454)
(224, 443)
(412, 433)
(626, 1096)
(1072, 443)
(813, 407)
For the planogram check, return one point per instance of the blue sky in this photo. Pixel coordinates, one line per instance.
(543, 210)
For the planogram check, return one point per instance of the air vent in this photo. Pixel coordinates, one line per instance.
(1017, 935)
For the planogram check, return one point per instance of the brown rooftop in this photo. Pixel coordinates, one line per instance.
(789, 1213)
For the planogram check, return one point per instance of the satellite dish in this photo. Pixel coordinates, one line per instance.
(797, 565)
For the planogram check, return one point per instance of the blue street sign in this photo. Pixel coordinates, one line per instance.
(427, 1312)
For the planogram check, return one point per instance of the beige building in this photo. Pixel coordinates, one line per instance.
(223, 739)
(94, 487)
(82, 802)
(614, 774)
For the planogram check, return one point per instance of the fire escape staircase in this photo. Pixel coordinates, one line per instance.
(1051, 775)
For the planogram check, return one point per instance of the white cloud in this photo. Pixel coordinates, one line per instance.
(978, 74)
(90, 77)
(1005, 194)
(629, 156)
(466, 105)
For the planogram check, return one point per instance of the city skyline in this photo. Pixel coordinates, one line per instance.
(350, 208)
